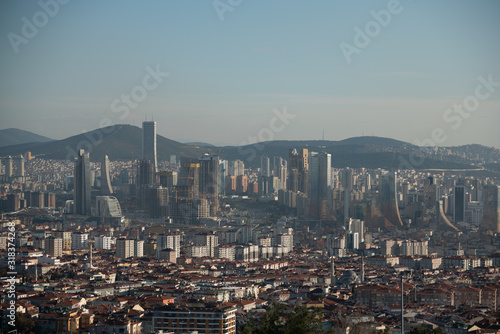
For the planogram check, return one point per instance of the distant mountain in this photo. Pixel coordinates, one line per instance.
(358, 152)
(119, 142)
(124, 142)
(195, 143)
(16, 136)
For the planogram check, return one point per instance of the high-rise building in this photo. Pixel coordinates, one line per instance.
(172, 241)
(102, 242)
(210, 181)
(125, 248)
(106, 188)
(146, 174)
(298, 169)
(459, 201)
(357, 226)
(139, 248)
(54, 246)
(20, 166)
(65, 236)
(149, 143)
(211, 241)
(82, 184)
(491, 208)
(79, 240)
(388, 200)
(265, 168)
(209, 319)
(320, 181)
(9, 170)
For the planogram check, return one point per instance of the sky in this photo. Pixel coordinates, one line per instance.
(240, 71)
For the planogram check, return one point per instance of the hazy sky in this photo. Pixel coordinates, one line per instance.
(232, 68)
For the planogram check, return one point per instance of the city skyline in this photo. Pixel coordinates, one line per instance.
(222, 77)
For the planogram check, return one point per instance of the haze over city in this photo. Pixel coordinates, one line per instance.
(230, 67)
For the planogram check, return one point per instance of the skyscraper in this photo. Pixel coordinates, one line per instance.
(388, 199)
(459, 200)
(106, 188)
(491, 218)
(265, 168)
(210, 181)
(82, 184)
(298, 170)
(149, 142)
(320, 181)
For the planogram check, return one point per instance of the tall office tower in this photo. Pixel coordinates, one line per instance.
(348, 180)
(459, 203)
(299, 162)
(430, 201)
(188, 181)
(320, 182)
(124, 248)
(388, 201)
(222, 177)
(491, 208)
(20, 166)
(82, 184)
(106, 188)
(357, 226)
(265, 168)
(368, 182)
(9, 170)
(210, 181)
(149, 143)
(102, 242)
(146, 175)
(54, 246)
(172, 241)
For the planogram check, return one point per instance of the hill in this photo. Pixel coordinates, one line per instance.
(124, 142)
(119, 142)
(13, 136)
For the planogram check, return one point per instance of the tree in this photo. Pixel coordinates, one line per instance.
(24, 324)
(283, 320)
